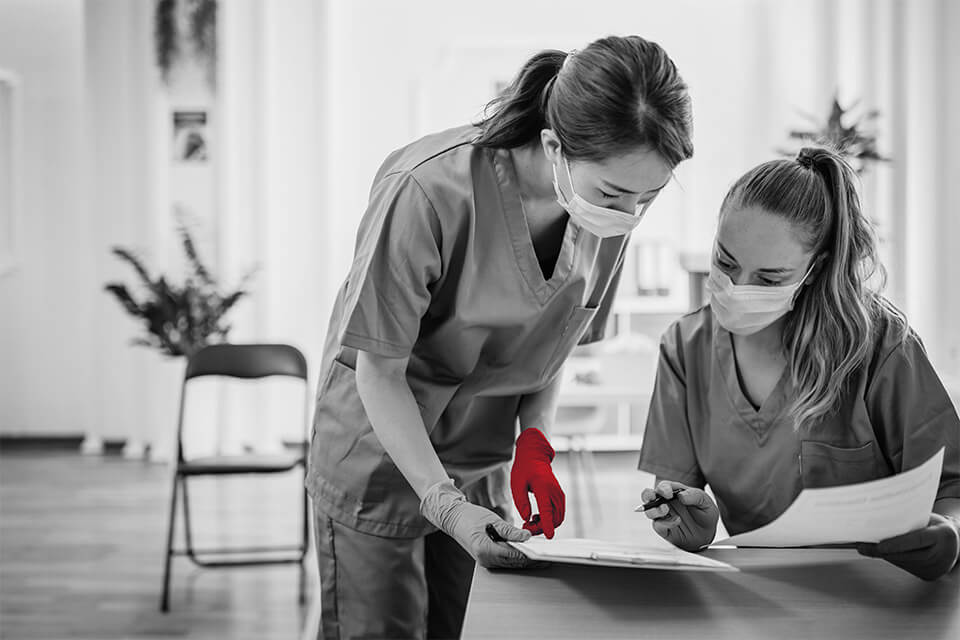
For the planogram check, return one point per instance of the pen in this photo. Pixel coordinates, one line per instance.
(494, 535)
(659, 500)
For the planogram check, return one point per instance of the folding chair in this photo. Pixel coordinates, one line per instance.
(249, 361)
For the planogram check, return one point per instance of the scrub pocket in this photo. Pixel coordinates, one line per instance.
(577, 321)
(827, 465)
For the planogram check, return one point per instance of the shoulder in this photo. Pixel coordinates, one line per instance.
(895, 344)
(688, 336)
(435, 159)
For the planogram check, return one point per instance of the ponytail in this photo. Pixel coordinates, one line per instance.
(519, 113)
(615, 96)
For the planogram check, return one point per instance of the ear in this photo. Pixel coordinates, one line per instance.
(551, 145)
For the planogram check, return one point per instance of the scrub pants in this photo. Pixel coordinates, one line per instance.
(403, 588)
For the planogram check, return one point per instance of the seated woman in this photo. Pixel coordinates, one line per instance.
(798, 374)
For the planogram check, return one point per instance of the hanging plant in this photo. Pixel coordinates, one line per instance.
(845, 133)
(200, 17)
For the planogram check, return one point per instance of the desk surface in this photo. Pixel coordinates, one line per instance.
(778, 593)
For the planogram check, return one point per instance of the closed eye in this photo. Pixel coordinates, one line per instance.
(608, 196)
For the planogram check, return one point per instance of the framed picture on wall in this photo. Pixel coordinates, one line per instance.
(190, 136)
(10, 125)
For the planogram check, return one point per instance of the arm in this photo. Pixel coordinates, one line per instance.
(396, 420)
(539, 409)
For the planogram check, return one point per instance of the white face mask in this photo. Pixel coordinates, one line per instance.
(598, 220)
(746, 309)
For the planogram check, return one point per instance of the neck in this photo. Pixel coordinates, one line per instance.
(534, 173)
(768, 339)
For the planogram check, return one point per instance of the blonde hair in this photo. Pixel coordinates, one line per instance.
(831, 331)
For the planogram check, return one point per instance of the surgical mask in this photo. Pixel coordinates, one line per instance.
(598, 220)
(746, 309)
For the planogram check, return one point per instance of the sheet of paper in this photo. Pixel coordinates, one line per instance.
(864, 512)
(613, 554)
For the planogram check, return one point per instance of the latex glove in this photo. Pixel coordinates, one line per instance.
(447, 508)
(689, 522)
(927, 553)
(532, 472)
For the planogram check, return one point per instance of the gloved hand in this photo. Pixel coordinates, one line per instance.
(928, 552)
(447, 508)
(532, 472)
(688, 522)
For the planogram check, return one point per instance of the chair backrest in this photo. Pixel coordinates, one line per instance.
(247, 361)
(250, 361)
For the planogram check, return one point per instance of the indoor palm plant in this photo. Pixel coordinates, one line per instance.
(179, 319)
(848, 134)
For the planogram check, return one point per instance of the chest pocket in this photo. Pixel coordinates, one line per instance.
(827, 465)
(577, 321)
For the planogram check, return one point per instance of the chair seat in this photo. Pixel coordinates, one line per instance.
(251, 463)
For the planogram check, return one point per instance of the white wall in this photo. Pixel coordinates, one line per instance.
(314, 94)
(46, 302)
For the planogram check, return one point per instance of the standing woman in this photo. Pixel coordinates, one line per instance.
(486, 254)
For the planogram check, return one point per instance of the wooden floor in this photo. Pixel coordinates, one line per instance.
(81, 548)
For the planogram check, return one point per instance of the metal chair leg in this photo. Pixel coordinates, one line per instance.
(306, 543)
(186, 522)
(165, 597)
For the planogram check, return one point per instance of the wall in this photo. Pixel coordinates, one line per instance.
(313, 95)
(46, 318)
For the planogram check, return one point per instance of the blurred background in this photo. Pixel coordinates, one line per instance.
(229, 147)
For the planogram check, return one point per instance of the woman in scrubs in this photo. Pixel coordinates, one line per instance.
(486, 254)
(798, 374)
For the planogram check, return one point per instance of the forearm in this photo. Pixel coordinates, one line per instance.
(396, 420)
(539, 409)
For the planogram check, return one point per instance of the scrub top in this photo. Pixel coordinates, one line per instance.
(445, 272)
(701, 428)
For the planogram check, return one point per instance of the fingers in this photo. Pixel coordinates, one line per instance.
(509, 532)
(521, 499)
(500, 555)
(533, 527)
(909, 541)
(694, 498)
(668, 488)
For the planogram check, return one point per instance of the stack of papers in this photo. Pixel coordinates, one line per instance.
(613, 554)
(865, 512)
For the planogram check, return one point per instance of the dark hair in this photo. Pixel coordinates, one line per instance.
(829, 333)
(618, 94)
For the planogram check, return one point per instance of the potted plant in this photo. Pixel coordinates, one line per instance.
(179, 319)
(844, 131)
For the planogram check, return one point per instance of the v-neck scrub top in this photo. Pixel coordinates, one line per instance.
(445, 273)
(701, 428)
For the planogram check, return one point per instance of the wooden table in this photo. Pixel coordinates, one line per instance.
(779, 593)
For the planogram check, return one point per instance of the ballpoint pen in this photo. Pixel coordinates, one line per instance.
(659, 500)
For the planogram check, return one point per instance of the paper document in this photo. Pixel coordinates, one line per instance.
(613, 554)
(865, 512)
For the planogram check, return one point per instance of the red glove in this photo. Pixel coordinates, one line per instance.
(531, 472)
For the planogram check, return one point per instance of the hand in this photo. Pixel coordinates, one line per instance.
(446, 507)
(689, 522)
(927, 553)
(532, 472)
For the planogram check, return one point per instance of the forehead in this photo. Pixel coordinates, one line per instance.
(639, 171)
(759, 239)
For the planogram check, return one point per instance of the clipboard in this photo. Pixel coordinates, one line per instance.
(601, 553)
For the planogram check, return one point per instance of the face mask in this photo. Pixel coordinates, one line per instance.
(746, 309)
(598, 220)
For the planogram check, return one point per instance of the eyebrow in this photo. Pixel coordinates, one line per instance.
(770, 270)
(610, 185)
